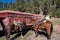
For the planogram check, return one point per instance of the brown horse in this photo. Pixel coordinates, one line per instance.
(47, 27)
(10, 26)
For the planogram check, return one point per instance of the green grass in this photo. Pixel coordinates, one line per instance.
(2, 38)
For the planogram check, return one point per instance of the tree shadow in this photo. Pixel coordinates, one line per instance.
(16, 36)
(2, 33)
(43, 33)
(23, 33)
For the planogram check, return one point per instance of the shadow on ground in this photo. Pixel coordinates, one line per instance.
(43, 33)
(23, 33)
(2, 33)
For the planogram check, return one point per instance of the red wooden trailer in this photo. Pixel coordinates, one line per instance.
(8, 16)
(22, 16)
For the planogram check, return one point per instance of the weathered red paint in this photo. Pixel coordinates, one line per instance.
(22, 16)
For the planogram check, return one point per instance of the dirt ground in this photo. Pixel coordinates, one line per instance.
(30, 35)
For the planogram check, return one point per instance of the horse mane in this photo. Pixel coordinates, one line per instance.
(47, 21)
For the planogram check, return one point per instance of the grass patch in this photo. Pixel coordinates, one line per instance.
(2, 38)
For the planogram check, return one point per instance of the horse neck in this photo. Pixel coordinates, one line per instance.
(48, 21)
(35, 23)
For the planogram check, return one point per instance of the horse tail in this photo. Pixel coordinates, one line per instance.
(51, 28)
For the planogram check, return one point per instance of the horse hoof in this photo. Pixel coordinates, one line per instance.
(49, 38)
(21, 36)
(36, 35)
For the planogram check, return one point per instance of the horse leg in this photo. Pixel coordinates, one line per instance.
(16, 29)
(21, 31)
(36, 31)
(7, 32)
(48, 32)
